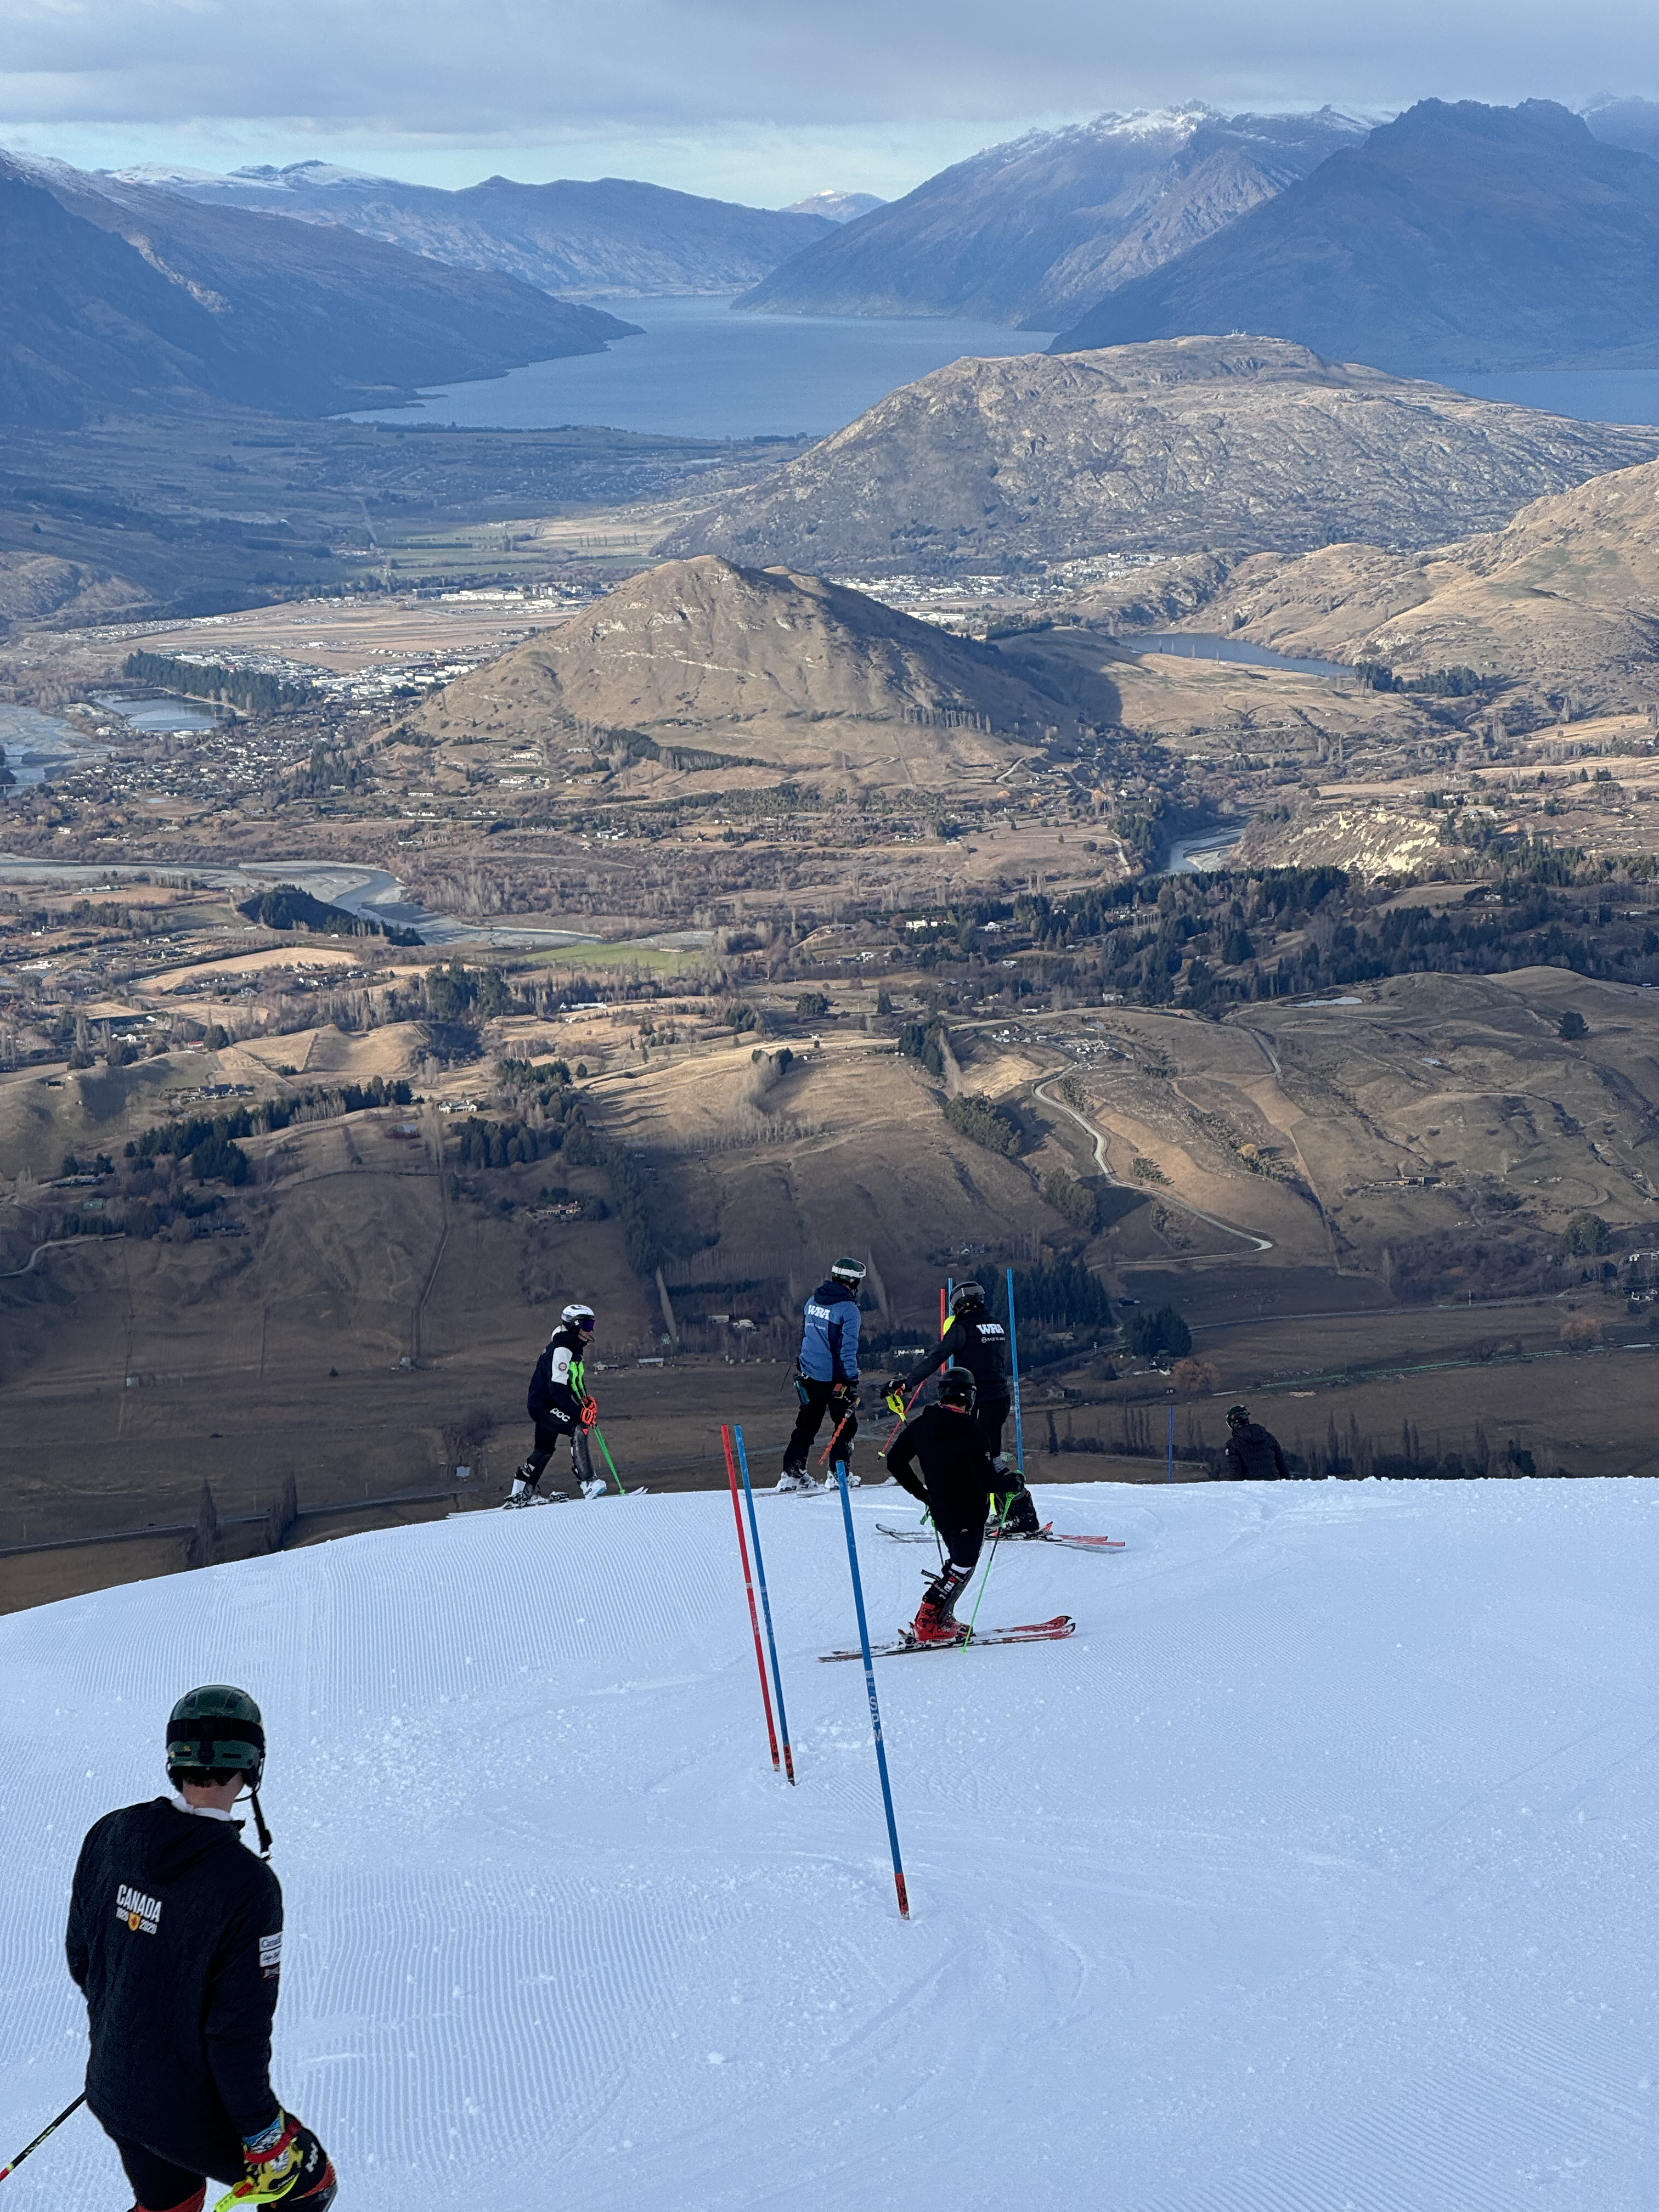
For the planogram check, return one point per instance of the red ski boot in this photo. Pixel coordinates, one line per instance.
(935, 1623)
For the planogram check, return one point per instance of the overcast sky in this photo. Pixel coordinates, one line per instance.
(758, 100)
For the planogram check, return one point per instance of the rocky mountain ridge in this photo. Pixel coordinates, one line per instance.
(127, 300)
(1244, 444)
(1033, 231)
(1457, 237)
(609, 238)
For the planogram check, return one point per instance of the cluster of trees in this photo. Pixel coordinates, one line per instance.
(483, 1144)
(255, 694)
(1160, 1330)
(209, 1142)
(288, 907)
(986, 1124)
(1073, 1200)
(1457, 682)
(1060, 1295)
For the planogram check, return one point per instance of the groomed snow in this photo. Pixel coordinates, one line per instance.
(1317, 1871)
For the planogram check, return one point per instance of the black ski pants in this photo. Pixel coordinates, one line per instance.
(160, 2186)
(818, 1399)
(550, 1435)
(989, 1415)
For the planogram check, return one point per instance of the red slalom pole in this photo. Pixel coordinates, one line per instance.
(754, 1618)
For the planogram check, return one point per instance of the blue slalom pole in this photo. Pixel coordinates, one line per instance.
(869, 1684)
(766, 1605)
(1013, 1347)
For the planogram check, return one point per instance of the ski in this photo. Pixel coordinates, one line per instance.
(1046, 1534)
(1033, 1631)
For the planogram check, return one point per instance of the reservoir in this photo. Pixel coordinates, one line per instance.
(159, 715)
(701, 370)
(1185, 647)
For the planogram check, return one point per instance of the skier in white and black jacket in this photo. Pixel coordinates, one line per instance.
(558, 1403)
(175, 1939)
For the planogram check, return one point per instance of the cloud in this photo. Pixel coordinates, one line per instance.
(528, 72)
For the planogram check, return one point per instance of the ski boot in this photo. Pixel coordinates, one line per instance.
(796, 1478)
(595, 1486)
(524, 1489)
(1020, 1517)
(935, 1622)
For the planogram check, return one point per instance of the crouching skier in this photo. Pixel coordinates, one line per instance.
(955, 1485)
(558, 1403)
(175, 1939)
(826, 1373)
(977, 1342)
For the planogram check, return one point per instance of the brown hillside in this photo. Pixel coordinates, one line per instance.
(1175, 447)
(767, 669)
(1565, 597)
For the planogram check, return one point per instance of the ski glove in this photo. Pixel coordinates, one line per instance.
(896, 1402)
(590, 1414)
(286, 2165)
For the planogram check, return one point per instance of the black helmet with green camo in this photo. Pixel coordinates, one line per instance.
(216, 1732)
(217, 1729)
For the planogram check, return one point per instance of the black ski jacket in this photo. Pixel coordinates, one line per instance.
(956, 1478)
(1251, 1454)
(977, 1342)
(558, 1390)
(175, 1938)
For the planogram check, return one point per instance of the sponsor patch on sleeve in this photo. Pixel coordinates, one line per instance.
(270, 1956)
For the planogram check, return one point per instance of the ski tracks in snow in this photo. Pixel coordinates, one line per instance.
(1313, 1872)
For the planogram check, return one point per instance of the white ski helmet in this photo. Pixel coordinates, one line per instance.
(580, 1317)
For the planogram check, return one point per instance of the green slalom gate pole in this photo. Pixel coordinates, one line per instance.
(995, 1539)
(609, 1462)
(870, 1685)
(766, 1602)
(1013, 1347)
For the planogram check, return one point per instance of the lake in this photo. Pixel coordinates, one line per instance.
(1593, 395)
(701, 371)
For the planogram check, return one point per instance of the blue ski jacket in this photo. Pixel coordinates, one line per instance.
(830, 1341)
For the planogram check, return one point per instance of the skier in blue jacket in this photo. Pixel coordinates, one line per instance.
(827, 1372)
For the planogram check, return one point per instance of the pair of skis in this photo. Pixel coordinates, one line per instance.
(1032, 1632)
(1046, 1534)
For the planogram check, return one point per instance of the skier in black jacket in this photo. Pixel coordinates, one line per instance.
(558, 1403)
(175, 1939)
(955, 1483)
(1251, 1453)
(979, 1343)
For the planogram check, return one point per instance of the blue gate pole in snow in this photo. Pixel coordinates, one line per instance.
(869, 1684)
(1013, 1347)
(766, 1603)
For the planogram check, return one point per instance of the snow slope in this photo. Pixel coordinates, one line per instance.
(1317, 1871)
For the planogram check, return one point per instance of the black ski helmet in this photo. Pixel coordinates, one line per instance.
(1237, 1416)
(956, 1387)
(850, 1271)
(966, 1295)
(218, 1730)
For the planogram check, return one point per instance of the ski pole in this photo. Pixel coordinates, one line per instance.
(754, 1618)
(823, 1457)
(609, 1462)
(766, 1603)
(869, 1684)
(1013, 1347)
(50, 2130)
(995, 1539)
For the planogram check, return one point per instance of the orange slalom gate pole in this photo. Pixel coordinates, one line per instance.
(748, 1584)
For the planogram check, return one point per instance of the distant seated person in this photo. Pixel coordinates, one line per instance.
(1251, 1453)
